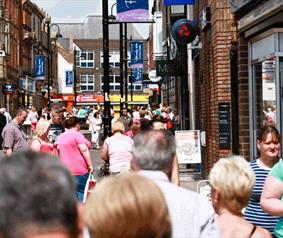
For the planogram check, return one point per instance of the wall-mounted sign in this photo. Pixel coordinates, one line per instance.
(69, 78)
(90, 98)
(184, 31)
(188, 146)
(165, 68)
(224, 126)
(39, 67)
(136, 54)
(132, 10)
(179, 2)
(8, 88)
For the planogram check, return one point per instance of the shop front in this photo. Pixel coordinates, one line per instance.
(262, 29)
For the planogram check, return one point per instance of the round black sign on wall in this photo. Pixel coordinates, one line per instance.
(184, 31)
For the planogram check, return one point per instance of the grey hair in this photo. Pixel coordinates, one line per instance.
(154, 150)
(37, 193)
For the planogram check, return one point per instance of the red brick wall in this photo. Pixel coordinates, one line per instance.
(215, 73)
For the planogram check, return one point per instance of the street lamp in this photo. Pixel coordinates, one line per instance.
(106, 88)
(49, 55)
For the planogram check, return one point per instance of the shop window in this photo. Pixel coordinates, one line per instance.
(264, 73)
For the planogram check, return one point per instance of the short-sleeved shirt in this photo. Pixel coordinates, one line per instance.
(69, 151)
(14, 137)
(277, 172)
(120, 151)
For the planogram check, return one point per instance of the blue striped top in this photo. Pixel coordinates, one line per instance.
(253, 212)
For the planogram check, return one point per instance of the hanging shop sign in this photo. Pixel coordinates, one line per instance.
(132, 10)
(8, 88)
(165, 68)
(224, 126)
(153, 77)
(188, 146)
(184, 31)
(69, 78)
(136, 54)
(39, 67)
(179, 2)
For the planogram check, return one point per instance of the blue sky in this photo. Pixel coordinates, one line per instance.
(72, 11)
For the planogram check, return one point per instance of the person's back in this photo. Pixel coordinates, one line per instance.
(238, 227)
(191, 215)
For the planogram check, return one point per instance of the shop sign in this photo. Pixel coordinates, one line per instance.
(153, 77)
(90, 98)
(179, 2)
(188, 146)
(7, 88)
(184, 31)
(132, 10)
(165, 68)
(224, 126)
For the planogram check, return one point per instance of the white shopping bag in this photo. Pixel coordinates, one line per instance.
(90, 184)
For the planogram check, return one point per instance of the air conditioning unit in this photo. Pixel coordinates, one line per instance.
(2, 53)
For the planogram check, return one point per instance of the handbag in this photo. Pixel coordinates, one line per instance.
(90, 184)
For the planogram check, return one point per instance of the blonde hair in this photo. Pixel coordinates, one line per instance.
(234, 179)
(128, 206)
(118, 126)
(42, 127)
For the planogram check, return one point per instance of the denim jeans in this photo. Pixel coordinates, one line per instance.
(81, 182)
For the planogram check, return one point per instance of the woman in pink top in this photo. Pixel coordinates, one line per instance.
(40, 142)
(74, 153)
(118, 150)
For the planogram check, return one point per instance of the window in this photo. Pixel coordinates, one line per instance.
(114, 82)
(78, 56)
(136, 86)
(87, 82)
(86, 59)
(114, 59)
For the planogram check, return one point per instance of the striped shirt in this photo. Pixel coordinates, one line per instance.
(253, 212)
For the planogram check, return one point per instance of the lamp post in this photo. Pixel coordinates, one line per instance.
(49, 56)
(75, 77)
(106, 88)
(113, 18)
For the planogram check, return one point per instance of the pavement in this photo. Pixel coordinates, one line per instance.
(189, 177)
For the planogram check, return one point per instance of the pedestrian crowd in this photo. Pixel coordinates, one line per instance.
(45, 175)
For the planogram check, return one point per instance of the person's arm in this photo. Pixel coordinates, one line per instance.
(35, 145)
(175, 172)
(86, 154)
(270, 197)
(104, 152)
(9, 151)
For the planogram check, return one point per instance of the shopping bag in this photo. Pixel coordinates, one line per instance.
(90, 184)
